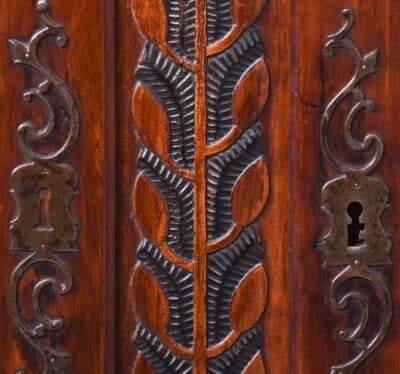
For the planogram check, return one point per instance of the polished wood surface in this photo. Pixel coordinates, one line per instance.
(109, 296)
(130, 45)
(314, 323)
(81, 66)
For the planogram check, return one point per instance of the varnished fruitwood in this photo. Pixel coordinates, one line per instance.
(84, 307)
(271, 223)
(254, 182)
(246, 309)
(299, 326)
(315, 80)
(210, 196)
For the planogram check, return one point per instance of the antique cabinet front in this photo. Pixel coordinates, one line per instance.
(199, 186)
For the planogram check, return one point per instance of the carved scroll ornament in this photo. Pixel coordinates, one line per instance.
(354, 202)
(43, 186)
(203, 181)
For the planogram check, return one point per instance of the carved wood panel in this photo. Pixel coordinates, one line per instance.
(203, 180)
(196, 116)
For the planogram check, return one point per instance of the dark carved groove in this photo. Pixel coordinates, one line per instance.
(224, 72)
(160, 357)
(223, 171)
(182, 31)
(219, 20)
(235, 359)
(199, 255)
(178, 286)
(178, 193)
(173, 86)
(225, 270)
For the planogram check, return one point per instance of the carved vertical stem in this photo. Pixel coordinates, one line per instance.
(200, 189)
(201, 161)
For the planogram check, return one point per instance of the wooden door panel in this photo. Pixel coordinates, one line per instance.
(82, 308)
(200, 179)
(315, 345)
(129, 236)
(131, 43)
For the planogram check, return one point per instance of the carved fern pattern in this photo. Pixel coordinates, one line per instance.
(203, 181)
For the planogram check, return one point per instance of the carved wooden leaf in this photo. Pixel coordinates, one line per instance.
(251, 95)
(249, 300)
(256, 365)
(250, 193)
(142, 366)
(151, 304)
(151, 121)
(151, 210)
(151, 17)
(245, 12)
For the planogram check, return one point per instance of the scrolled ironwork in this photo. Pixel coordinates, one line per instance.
(354, 202)
(44, 187)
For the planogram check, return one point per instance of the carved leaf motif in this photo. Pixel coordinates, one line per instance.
(245, 12)
(151, 306)
(250, 299)
(151, 210)
(253, 182)
(158, 355)
(231, 95)
(151, 17)
(237, 358)
(251, 95)
(142, 366)
(151, 121)
(256, 365)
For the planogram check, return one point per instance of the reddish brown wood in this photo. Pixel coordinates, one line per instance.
(254, 182)
(83, 308)
(110, 188)
(147, 109)
(251, 95)
(314, 342)
(249, 300)
(150, 208)
(130, 45)
(299, 325)
(150, 306)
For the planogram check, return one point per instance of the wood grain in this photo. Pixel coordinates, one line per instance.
(314, 343)
(300, 325)
(249, 211)
(83, 308)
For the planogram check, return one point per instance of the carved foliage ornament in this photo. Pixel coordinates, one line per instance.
(354, 203)
(43, 187)
(202, 182)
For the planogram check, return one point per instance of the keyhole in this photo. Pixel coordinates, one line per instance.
(44, 201)
(354, 210)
